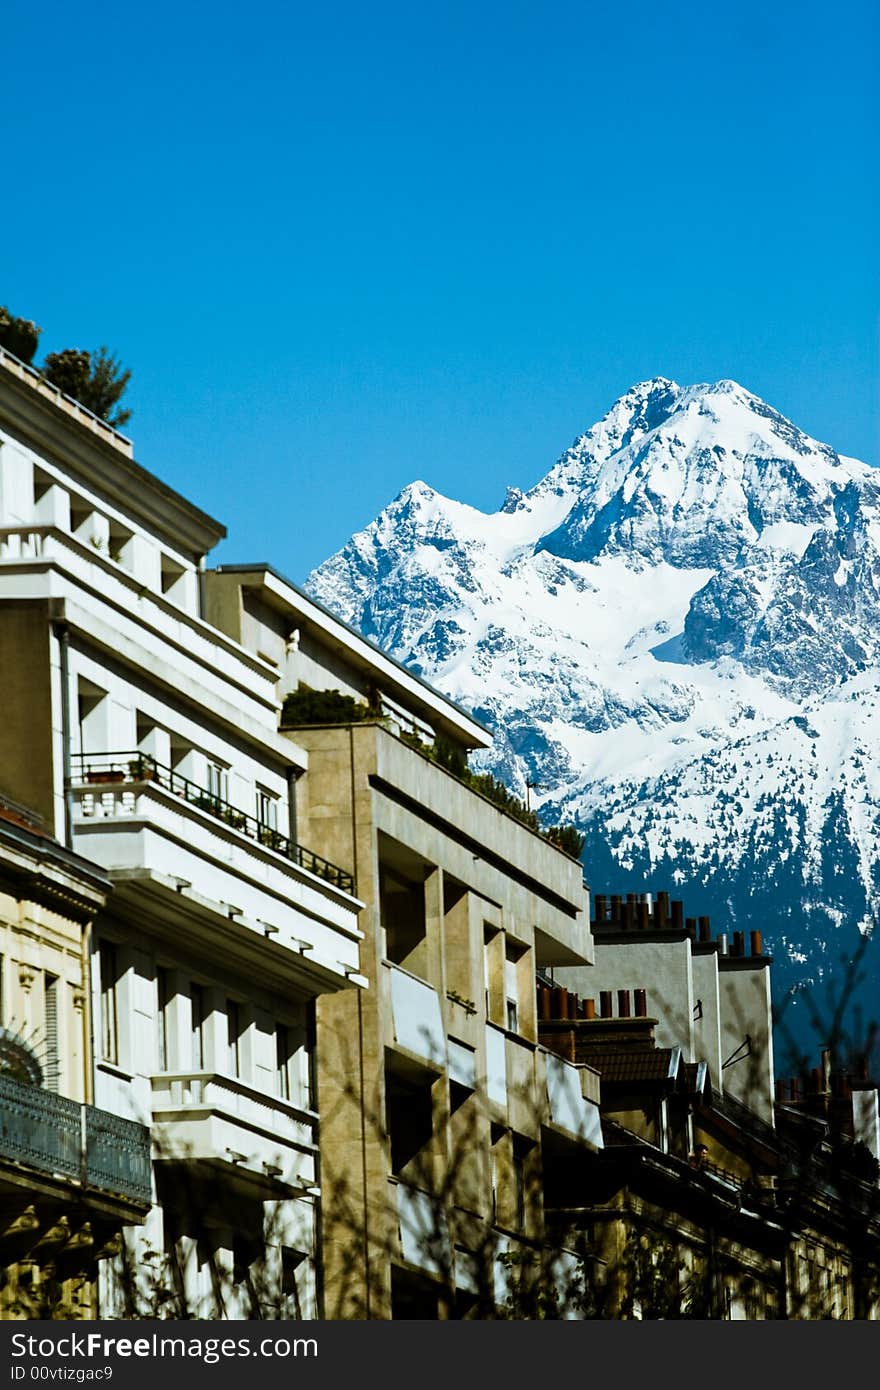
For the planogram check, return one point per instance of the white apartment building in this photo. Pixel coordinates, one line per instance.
(148, 740)
(711, 995)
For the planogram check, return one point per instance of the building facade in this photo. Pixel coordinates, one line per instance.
(149, 743)
(299, 1022)
(443, 1117)
(719, 1192)
(72, 1175)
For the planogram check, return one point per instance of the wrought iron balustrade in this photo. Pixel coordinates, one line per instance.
(129, 769)
(54, 1135)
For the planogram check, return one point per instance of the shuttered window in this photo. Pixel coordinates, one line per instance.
(53, 1052)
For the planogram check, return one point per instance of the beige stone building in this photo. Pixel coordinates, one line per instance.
(443, 1120)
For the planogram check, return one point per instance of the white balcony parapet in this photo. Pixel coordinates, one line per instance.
(496, 1065)
(462, 1064)
(116, 774)
(212, 875)
(418, 1023)
(568, 1107)
(204, 1116)
(138, 611)
(422, 1228)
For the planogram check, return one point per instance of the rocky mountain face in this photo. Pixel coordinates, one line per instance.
(675, 635)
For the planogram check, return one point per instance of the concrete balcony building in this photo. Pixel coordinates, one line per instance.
(442, 1114)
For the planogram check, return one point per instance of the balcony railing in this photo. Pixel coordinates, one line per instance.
(115, 769)
(57, 1136)
(232, 1099)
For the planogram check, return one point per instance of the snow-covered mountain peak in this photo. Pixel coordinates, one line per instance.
(676, 636)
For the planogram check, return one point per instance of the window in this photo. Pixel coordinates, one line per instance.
(292, 1270)
(197, 1014)
(233, 1033)
(267, 819)
(92, 709)
(489, 934)
(53, 1054)
(267, 809)
(217, 784)
(519, 1183)
(282, 1061)
(109, 1023)
(511, 987)
(162, 1019)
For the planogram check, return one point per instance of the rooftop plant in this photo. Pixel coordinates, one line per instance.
(96, 379)
(18, 336)
(305, 706)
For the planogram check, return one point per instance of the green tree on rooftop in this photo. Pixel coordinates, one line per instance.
(97, 380)
(18, 336)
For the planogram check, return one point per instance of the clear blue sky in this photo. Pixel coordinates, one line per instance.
(349, 245)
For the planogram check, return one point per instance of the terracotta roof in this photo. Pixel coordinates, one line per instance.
(635, 1064)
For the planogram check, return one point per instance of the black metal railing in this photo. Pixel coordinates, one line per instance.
(119, 769)
(52, 1134)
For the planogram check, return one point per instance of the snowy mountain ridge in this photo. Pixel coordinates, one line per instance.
(676, 635)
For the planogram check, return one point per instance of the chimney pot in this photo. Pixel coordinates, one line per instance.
(601, 904)
(640, 1003)
(644, 913)
(705, 929)
(616, 904)
(605, 1009)
(562, 1003)
(722, 943)
(545, 1001)
(677, 914)
(739, 944)
(755, 943)
(623, 1003)
(589, 1008)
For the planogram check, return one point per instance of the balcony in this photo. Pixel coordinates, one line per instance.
(222, 1124)
(206, 869)
(416, 1016)
(572, 1100)
(114, 770)
(421, 1228)
(61, 1139)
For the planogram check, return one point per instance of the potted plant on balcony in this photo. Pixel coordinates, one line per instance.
(141, 769)
(271, 838)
